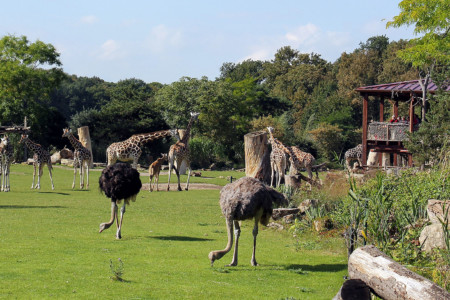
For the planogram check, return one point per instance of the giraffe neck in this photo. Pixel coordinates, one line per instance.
(75, 143)
(147, 137)
(187, 133)
(32, 146)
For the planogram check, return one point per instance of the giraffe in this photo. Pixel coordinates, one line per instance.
(82, 158)
(6, 156)
(130, 149)
(40, 158)
(154, 170)
(277, 159)
(353, 154)
(298, 158)
(179, 152)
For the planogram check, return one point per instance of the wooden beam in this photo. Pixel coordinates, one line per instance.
(364, 125)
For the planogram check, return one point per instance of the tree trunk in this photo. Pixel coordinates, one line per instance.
(390, 280)
(85, 139)
(257, 156)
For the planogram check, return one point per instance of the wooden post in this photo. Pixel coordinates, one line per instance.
(389, 279)
(382, 109)
(364, 125)
(257, 156)
(411, 125)
(85, 139)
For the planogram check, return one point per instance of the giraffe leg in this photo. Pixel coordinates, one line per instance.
(237, 234)
(34, 174)
(74, 172)
(49, 165)
(170, 173)
(178, 176)
(150, 178)
(38, 185)
(157, 181)
(6, 178)
(81, 175)
(119, 225)
(87, 175)
(189, 176)
(271, 176)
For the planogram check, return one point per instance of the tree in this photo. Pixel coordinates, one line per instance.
(430, 18)
(28, 73)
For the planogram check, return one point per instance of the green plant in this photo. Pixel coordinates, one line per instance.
(117, 271)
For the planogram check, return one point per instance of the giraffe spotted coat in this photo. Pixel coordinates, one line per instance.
(353, 154)
(6, 157)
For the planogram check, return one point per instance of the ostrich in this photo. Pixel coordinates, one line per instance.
(244, 199)
(119, 182)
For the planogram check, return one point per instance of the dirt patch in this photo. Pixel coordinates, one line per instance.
(192, 186)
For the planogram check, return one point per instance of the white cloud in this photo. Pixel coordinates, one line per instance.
(306, 39)
(161, 38)
(305, 35)
(110, 50)
(89, 19)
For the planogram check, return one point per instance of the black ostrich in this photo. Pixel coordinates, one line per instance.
(244, 199)
(119, 182)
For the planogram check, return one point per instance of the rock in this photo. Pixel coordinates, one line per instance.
(289, 219)
(306, 204)
(66, 153)
(323, 224)
(432, 236)
(281, 212)
(276, 226)
(56, 158)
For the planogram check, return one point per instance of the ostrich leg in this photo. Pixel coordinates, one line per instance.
(119, 224)
(218, 254)
(237, 233)
(104, 226)
(255, 233)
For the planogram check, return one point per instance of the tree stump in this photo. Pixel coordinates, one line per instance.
(390, 280)
(85, 139)
(257, 156)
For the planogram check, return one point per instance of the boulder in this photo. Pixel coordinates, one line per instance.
(306, 204)
(432, 236)
(55, 158)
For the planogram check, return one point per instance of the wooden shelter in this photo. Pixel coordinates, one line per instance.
(385, 137)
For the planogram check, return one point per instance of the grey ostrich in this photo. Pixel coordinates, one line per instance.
(119, 182)
(244, 199)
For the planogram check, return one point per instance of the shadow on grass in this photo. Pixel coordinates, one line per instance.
(318, 268)
(57, 193)
(29, 206)
(179, 238)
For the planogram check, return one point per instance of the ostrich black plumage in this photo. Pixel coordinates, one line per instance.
(119, 182)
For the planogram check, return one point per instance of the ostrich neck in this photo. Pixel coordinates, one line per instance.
(227, 249)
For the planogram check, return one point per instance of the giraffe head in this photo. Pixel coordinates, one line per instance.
(66, 132)
(270, 129)
(164, 156)
(23, 138)
(175, 133)
(194, 115)
(5, 140)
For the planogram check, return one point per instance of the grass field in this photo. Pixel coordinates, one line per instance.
(50, 247)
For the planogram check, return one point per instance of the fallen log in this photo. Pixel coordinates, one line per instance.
(390, 280)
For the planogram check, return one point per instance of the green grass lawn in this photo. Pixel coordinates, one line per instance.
(50, 247)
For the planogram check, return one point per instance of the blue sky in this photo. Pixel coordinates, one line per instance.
(163, 41)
